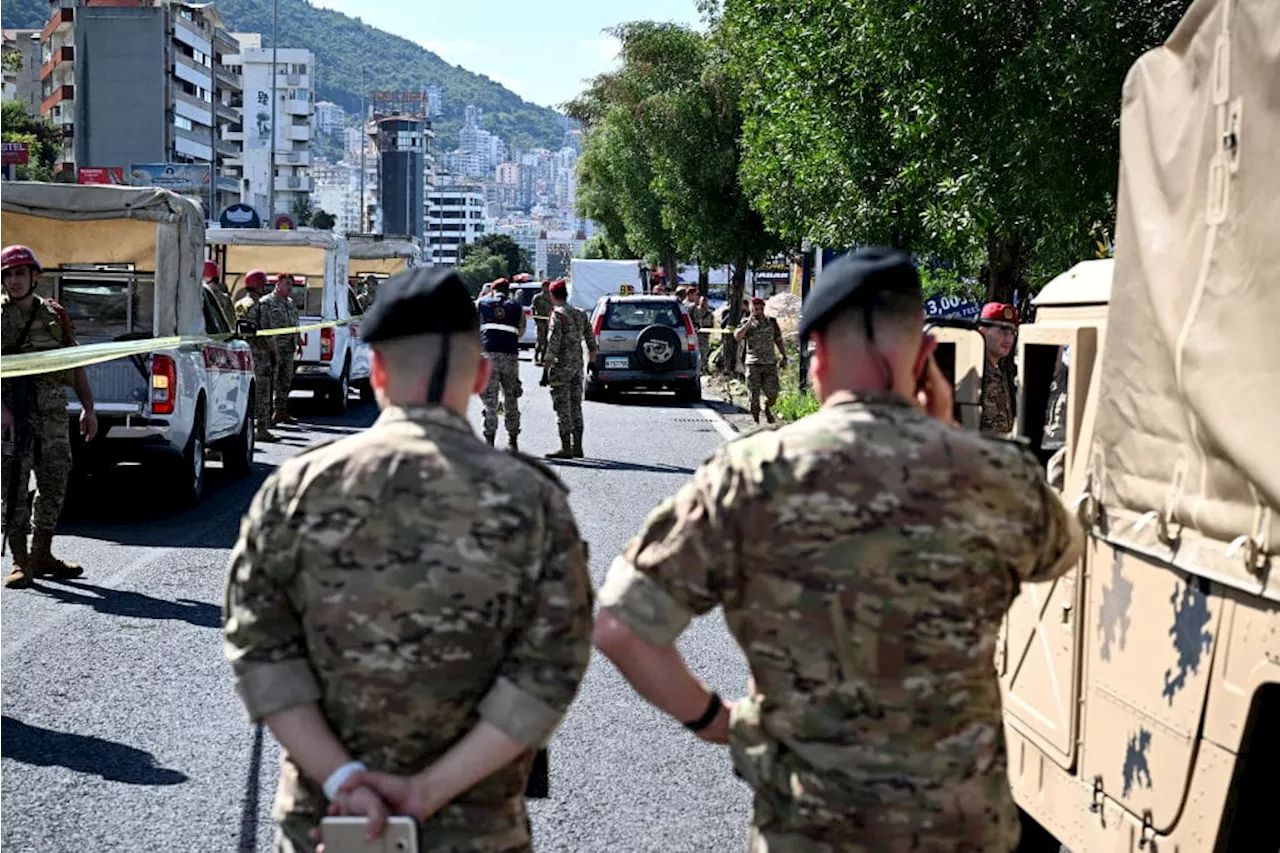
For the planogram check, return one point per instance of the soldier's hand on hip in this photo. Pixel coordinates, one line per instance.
(88, 424)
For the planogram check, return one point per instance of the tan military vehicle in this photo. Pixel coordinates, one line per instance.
(1142, 689)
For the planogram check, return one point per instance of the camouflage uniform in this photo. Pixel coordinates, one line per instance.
(997, 414)
(411, 581)
(762, 362)
(703, 318)
(542, 307)
(569, 331)
(505, 378)
(48, 443)
(282, 313)
(264, 361)
(223, 299)
(868, 615)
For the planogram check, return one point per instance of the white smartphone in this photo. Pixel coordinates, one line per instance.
(350, 835)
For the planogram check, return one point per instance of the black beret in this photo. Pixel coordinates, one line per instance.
(422, 301)
(857, 279)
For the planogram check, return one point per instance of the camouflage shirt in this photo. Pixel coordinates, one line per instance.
(412, 581)
(997, 415)
(280, 313)
(761, 341)
(50, 328)
(868, 610)
(542, 307)
(569, 331)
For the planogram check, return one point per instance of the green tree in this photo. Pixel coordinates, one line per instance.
(515, 259)
(480, 267)
(301, 209)
(43, 139)
(323, 220)
(985, 133)
(598, 248)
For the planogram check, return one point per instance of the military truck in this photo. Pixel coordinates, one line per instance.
(1142, 689)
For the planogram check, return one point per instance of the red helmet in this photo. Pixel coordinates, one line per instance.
(18, 256)
(210, 269)
(255, 279)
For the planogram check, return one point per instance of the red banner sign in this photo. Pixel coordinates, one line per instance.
(14, 153)
(101, 175)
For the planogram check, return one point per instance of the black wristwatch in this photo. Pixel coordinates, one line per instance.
(708, 716)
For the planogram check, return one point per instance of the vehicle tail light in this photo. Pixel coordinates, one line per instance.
(693, 334)
(326, 344)
(164, 385)
(597, 325)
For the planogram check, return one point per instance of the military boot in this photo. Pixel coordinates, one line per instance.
(755, 415)
(566, 448)
(577, 444)
(44, 564)
(513, 443)
(261, 434)
(20, 577)
(490, 437)
(768, 414)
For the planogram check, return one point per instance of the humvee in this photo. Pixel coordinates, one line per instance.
(1142, 689)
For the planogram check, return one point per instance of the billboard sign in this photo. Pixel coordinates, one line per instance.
(15, 154)
(101, 175)
(175, 177)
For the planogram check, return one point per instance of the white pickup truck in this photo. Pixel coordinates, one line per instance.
(328, 361)
(125, 263)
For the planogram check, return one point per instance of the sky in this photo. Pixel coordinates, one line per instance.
(542, 51)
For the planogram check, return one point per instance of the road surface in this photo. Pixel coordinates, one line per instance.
(121, 730)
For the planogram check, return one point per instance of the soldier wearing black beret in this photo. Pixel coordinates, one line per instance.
(409, 610)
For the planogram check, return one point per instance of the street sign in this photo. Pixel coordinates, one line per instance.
(240, 216)
(951, 306)
(283, 222)
(15, 154)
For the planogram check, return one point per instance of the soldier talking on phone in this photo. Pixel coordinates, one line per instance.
(408, 609)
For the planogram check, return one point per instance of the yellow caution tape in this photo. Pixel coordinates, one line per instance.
(263, 333)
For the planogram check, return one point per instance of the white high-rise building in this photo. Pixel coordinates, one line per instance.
(329, 118)
(294, 106)
(455, 217)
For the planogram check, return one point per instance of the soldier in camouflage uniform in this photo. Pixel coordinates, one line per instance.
(281, 312)
(868, 608)
(562, 369)
(35, 421)
(249, 308)
(1000, 330)
(760, 335)
(501, 327)
(542, 308)
(213, 280)
(407, 609)
(703, 318)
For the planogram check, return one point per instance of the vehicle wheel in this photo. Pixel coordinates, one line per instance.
(1035, 838)
(191, 477)
(690, 392)
(237, 452)
(657, 348)
(339, 393)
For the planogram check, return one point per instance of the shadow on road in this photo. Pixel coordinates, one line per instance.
(115, 762)
(119, 602)
(612, 465)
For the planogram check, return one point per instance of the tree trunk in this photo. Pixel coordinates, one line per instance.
(1005, 269)
(737, 284)
(671, 266)
(704, 279)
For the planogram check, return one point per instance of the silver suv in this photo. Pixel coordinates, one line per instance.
(646, 343)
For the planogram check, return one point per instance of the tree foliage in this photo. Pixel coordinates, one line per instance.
(984, 132)
(43, 139)
(480, 267)
(515, 259)
(323, 220)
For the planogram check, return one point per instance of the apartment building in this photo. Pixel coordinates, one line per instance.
(22, 84)
(137, 89)
(273, 184)
(455, 217)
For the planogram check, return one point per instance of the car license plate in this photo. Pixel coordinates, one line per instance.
(615, 363)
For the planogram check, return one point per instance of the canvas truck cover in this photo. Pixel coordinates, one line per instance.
(1186, 464)
(155, 230)
(321, 256)
(591, 279)
(373, 247)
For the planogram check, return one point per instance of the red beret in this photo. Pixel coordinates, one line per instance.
(210, 269)
(1000, 312)
(756, 300)
(559, 288)
(255, 278)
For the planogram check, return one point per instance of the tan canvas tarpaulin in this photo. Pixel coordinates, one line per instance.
(318, 255)
(156, 230)
(1187, 464)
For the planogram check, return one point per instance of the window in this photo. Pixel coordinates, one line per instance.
(634, 316)
(215, 321)
(107, 307)
(183, 123)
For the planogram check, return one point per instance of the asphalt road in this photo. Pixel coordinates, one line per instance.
(121, 730)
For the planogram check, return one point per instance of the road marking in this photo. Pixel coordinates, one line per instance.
(722, 426)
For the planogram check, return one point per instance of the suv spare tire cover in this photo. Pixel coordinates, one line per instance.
(656, 348)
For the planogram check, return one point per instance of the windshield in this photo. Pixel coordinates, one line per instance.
(633, 316)
(104, 308)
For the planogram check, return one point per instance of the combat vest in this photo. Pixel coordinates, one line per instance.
(500, 324)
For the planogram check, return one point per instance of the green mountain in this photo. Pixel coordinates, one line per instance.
(343, 44)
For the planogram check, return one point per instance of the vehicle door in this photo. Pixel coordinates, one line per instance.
(223, 371)
(360, 366)
(961, 355)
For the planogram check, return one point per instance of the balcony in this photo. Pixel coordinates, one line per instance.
(293, 158)
(233, 133)
(66, 53)
(228, 184)
(228, 113)
(227, 147)
(298, 107)
(57, 96)
(229, 78)
(58, 21)
(293, 183)
(298, 132)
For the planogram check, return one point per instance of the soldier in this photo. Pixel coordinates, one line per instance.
(409, 601)
(263, 349)
(213, 280)
(1000, 330)
(760, 335)
(703, 318)
(501, 326)
(562, 369)
(868, 608)
(542, 308)
(35, 421)
(281, 312)
(368, 292)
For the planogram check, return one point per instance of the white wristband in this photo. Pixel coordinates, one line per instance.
(335, 781)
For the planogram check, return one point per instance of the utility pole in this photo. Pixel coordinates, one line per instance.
(271, 156)
(364, 210)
